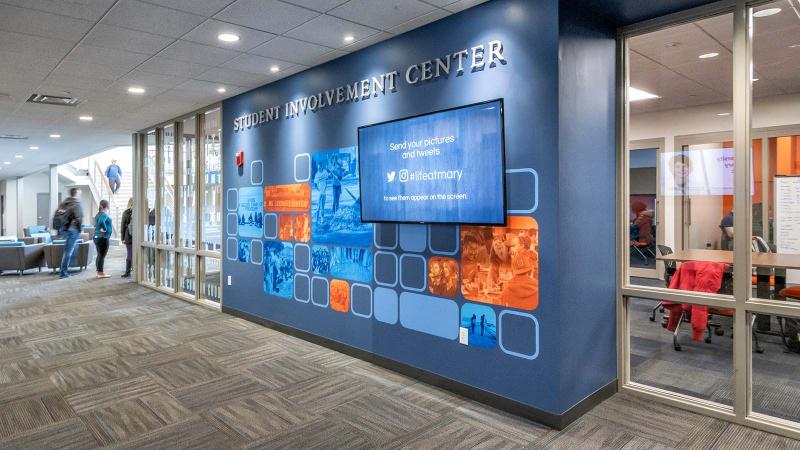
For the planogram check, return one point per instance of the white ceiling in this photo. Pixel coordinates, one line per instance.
(95, 49)
(666, 62)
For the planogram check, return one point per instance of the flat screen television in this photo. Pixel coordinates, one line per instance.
(442, 167)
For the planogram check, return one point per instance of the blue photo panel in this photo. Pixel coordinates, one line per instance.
(278, 268)
(481, 325)
(244, 250)
(320, 259)
(335, 205)
(251, 212)
(351, 263)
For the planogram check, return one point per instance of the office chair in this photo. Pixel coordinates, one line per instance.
(669, 270)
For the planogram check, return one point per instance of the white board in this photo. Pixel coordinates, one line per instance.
(787, 219)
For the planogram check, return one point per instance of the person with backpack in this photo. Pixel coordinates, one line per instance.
(67, 221)
(102, 236)
(127, 237)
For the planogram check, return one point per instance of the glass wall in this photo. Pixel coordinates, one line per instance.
(173, 259)
(710, 212)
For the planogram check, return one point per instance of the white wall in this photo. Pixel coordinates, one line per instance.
(33, 185)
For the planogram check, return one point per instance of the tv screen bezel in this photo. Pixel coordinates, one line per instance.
(502, 161)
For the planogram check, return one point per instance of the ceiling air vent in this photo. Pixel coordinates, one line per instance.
(17, 137)
(53, 100)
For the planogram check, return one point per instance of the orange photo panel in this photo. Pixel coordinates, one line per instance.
(500, 265)
(302, 228)
(285, 227)
(443, 276)
(287, 197)
(340, 296)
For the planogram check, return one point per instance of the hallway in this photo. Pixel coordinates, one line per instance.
(87, 363)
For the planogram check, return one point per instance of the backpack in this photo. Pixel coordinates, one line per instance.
(62, 218)
(791, 334)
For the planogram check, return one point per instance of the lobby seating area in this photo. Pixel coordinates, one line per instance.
(22, 256)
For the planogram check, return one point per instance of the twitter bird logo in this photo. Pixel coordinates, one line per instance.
(390, 176)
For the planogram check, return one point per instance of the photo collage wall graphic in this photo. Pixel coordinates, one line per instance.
(492, 266)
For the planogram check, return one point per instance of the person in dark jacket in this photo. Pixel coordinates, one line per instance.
(127, 237)
(72, 230)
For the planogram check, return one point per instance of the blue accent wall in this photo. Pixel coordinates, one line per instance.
(559, 138)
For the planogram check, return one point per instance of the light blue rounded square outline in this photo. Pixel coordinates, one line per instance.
(535, 191)
(228, 201)
(265, 225)
(311, 292)
(353, 285)
(253, 252)
(396, 306)
(307, 155)
(425, 270)
(227, 228)
(252, 172)
(396, 235)
(500, 335)
(375, 269)
(294, 290)
(458, 243)
(414, 225)
(295, 257)
(236, 253)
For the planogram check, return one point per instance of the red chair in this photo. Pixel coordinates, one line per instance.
(790, 292)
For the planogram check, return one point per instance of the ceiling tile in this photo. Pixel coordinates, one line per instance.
(105, 56)
(89, 70)
(78, 9)
(150, 18)
(255, 64)
(317, 5)
(266, 15)
(292, 50)
(417, 22)
(462, 5)
(327, 57)
(234, 77)
(366, 42)
(381, 15)
(149, 81)
(20, 66)
(43, 24)
(173, 67)
(58, 82)
(208, 31)
(198, 53)
(330, 31)
(205, 8)
(203, 86)
(124, 39)
(33, 45)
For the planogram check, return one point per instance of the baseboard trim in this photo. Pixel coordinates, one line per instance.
(488, 398)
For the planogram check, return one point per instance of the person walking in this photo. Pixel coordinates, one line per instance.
(127, 236)
(102, 235)
(70, 228)
(114, 175)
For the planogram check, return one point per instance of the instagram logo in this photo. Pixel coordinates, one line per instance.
(403, 176)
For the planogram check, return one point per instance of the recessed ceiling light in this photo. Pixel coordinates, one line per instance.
(635, 95)
(349, 38)
(672, 44)
(8, 163)
(723, 114)
(136, 90)
(794, 46)
(228, 37)
(708, 55)
(55, 136)
(221, 90)
(274, 69)
(33, 147)
(86, 118)
(18, 156)
(767, 12)
(755, 79)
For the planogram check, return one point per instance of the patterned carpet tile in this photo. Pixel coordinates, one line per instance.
(97, 397)
(257, 416)
(215, 392)
(192, 434)
(186, 373)
(321, 433)
(67, 435)
(327, 392)
(449, 433)
(375, 415)
(90, 374)
(286, 370)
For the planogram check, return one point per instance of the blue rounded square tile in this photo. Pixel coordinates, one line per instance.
(302, 287)
(443, 239)
(385, 305)
(385, 265)
(256, 172)
(522, 191)
(232, 199)
(319, 292)
(256, 251)
(412, 272)
(302, 167)
(232, 249)
(232, 224)
(302, 257)
(519, 334)
(270, 226)
(413, 237)
(385, 235)
(361, 300)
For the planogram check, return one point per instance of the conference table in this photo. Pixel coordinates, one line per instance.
(766, 264)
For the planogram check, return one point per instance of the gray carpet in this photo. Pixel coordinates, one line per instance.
(86, 363)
